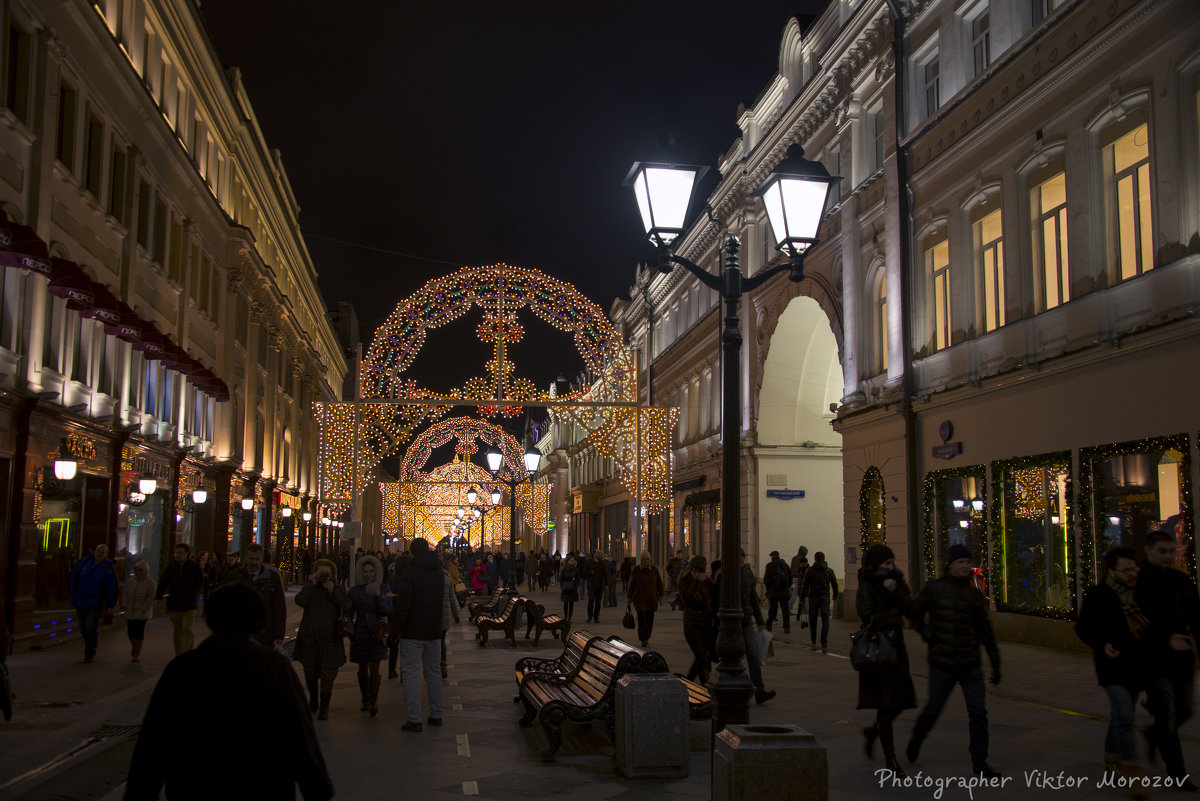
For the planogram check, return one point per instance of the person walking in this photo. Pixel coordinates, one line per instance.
(493, 573)
(777, 581)
(610, 582)
(696, 595)
(319, 646)
(883, 601)
(1168, 598)
(450, 611)
(421, 600)
(752, 626)
(137, 602)
(799, 567)
(568, 585)
(820, 588)
(626, 572)
(478, 575)
(93, 589)
(267, 581)
(266, 719)
(545, 571)
(371, 603)
(531, 571)
(1113, 625)
(181, 584)
(951, 615)
(393, 638)
(645, 594)
(596, 576)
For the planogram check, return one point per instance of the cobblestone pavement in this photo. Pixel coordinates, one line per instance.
(70, 737)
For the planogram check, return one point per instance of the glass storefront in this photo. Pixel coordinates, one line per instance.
(872, 509)
(1033, 568)
(58, 516)
(956, 514)
(144, 533)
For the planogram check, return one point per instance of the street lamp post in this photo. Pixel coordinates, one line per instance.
(531, 460)
(794, 196)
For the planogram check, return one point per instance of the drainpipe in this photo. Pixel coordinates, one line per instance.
(912, 463)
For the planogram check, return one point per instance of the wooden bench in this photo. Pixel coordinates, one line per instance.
(561, 666)
(490, 606)
(505, 620)
(557, 625)
(699, 699)
(586, 694)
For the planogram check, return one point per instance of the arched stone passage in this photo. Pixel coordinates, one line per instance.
(797, 448)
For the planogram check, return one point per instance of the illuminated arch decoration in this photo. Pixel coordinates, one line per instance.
(427, 506)
(393, 406)
(465, 431)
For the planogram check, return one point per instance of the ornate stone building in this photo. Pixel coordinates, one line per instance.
(160, 314)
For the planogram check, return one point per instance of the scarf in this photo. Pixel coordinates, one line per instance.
(1137, 622)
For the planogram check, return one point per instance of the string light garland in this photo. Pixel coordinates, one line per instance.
(1022, 468)
(932, 537)
(872, 531)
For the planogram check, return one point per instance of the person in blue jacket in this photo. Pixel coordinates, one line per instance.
(93, 589)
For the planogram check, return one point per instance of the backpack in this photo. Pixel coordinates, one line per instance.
(783, 579)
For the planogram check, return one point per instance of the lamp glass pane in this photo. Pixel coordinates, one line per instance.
(286, 511)
(773, 200)
(472, 494)
(803, 203)
(64, 469)
(324, 521)
(247, 504)
(307, 516)
(532, 459)
(670, 190)
(495, 497)
(494, 460)
(643, 200)
(147, 486)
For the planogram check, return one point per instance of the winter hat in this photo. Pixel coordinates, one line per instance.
(876, 556)
(774, 554)
(698, 563)
(957, 552)
(419, 545)
(326, 563)
(367, 560)
(803, 551)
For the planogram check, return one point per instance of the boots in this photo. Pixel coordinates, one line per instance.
(445, 674)
(374, 696)
(364, 687)
(323, 710)
(871, 733)
(888, 743)
(914, 746)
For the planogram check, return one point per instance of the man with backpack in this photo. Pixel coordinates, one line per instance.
(777, 581)
(820, 585)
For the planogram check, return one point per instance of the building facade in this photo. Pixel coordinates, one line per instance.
(161, 317)
(993, 342)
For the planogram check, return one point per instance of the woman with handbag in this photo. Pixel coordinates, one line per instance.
(645, 594)
(568, 583)
(372, 604)
(883, 601)
(137, 601)
(319, 647)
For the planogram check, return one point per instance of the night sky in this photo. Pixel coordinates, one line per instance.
(421, 137)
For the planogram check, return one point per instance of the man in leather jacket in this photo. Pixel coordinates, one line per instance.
(958, 623)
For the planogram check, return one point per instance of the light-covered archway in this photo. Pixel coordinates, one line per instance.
(797, 449)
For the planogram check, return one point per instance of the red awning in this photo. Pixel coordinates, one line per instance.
(152, 343)
(130, 326)
(26, 251)
(72, 283)
(105, 308)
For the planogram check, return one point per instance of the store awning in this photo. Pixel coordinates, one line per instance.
(702, 498)
(26, 251)
(151, 343)
(105, 307)
(71, 283)
(129, 328)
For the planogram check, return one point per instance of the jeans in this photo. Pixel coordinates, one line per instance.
(89, 627)
(754, 655)
(421, 656)
(594, 599)
(818, 606)
(780, 605)
(698, 639)
(645, 621)
(181, 630)
(1170, 702)
(444, 633)
(941, 682)
(1118, 741)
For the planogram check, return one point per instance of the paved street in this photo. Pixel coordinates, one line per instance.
(1047, 715)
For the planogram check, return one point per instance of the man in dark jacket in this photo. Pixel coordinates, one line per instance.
(819, 587)
(269, 584)
(777, 580)
(799, 568)
(270, 720)
(181, 583)
(958, 624)
(420, 596)
(93, 588)
(1111, 622)
(1168, 598)
(595, 574)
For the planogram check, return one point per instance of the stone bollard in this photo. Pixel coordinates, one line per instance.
(769, 761)
(652, 733)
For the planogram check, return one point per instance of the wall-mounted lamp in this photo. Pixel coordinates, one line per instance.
(147, 484)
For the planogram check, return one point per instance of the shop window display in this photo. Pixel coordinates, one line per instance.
(1033, 547)
(59, 540)
(872, 510)
(956, 514)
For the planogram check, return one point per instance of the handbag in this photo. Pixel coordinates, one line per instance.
(628, 621)
(871, 649)
(460, 587)
(380, 631)
(346, 625)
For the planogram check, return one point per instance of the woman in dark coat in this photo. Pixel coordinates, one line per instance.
(319, 646)
(371, 602)
(645, 593)
(696, 595)
(883, 601)
(568, 582)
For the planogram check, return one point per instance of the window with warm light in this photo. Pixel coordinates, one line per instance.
(1033, 558)
(987, 242)
(880, 338)
(1125, 156)
(1048, 229)
(872, 509)
(937, 271)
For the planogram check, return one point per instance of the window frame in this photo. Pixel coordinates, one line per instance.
(990, 279)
